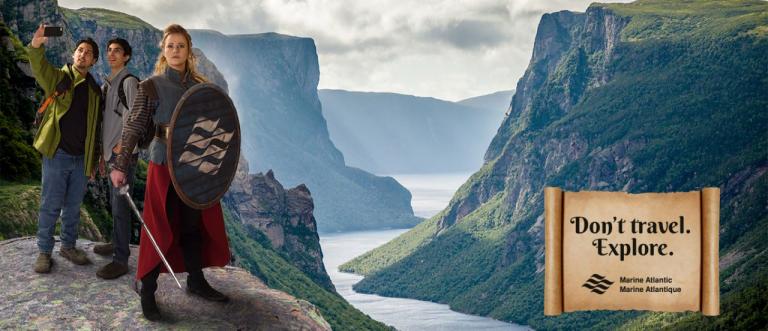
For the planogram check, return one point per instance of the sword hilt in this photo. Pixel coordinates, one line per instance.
(124, 189)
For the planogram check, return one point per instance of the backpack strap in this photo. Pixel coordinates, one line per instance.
(61, 88)
(121, 98)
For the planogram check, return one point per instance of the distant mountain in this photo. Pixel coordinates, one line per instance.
(390, 133)
(497, 101)
(651, 96)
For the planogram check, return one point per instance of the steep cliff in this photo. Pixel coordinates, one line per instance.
(23, 18)
(648, 96)
(283, 216)
(103, 25)
(273, 81)
(208, 69)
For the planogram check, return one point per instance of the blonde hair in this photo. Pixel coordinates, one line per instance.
(191, 65)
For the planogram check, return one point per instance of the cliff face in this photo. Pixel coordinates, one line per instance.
(560, 70)
(641, 97)
(570, 56)
(100, 24)
(283, 216)
(73, 297)
(23, 18)
(103, 25)
(273, 81)
(208, 69)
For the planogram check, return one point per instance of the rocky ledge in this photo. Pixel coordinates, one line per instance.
(72, 297)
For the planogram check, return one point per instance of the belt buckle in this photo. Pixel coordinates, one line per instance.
(162, 133)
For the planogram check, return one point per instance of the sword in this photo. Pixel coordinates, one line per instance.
(124, 192)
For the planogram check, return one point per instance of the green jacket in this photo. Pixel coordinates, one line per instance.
(48, 134)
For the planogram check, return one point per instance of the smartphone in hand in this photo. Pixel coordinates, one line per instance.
(53, 31)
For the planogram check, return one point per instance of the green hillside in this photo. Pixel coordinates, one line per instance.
(678, 103)
(266, 264)
(111, 18)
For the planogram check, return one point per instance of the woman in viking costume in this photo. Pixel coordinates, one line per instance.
(189, 238)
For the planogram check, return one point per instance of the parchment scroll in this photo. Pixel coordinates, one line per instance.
(620, 251)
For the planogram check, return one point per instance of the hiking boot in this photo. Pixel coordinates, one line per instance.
(197, 285)
(149, 306)
(112, 270)
(74, 254)
(43, 263)
(104, 249)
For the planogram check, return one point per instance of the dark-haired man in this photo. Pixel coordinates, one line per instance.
(67, 139)
(118, 91)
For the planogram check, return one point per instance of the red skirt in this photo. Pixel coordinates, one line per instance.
(215, 247)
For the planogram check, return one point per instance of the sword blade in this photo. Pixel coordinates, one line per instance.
(124, 192)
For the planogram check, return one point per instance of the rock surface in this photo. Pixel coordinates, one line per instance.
(285, 217)
(72, 297)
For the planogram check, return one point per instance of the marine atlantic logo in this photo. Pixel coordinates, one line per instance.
(598, 284)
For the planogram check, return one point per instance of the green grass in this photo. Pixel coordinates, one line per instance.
(688, 19)
(105, 17)
(18, 209)
(393, 251)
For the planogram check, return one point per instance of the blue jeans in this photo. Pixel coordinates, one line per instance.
(64, 185)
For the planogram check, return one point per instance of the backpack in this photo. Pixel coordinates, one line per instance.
(60, 89)
(143, 142)
(121, 98)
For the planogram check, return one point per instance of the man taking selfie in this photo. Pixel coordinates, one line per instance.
(67, 139)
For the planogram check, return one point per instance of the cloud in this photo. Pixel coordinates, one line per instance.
(467, 34)
(447, 49)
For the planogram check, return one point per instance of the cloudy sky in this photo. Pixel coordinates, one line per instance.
(448, 49)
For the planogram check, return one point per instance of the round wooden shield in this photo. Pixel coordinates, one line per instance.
(203, 145)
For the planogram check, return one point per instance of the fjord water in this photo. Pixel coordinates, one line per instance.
(431, 193)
